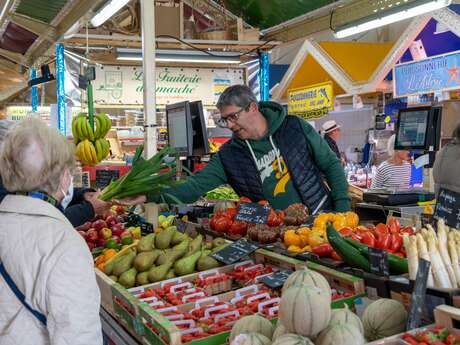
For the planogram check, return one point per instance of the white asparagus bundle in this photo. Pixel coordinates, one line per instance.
(452, 246)
(443, 250)
(412, 255)
(424, 233)
(432, 233)
(440, 275)
(423, 253)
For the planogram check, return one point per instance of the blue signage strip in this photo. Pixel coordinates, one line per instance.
(437, 73)
(264, 71)
(34, 91)
(61, 118)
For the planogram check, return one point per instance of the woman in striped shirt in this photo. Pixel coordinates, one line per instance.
(395, 172)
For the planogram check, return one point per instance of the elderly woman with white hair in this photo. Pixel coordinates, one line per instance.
(395, 172)
(48, 290)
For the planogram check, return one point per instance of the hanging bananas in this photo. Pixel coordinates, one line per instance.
(92, 147)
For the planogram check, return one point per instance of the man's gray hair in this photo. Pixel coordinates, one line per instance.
(237, 95)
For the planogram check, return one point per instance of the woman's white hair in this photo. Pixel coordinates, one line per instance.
(34, 157)
(391, 145)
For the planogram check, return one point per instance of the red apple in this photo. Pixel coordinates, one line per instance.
(116, 238)
(120, 210)
(100, 242)
(92, 236)
(118, 229)
(82, 233)
(91, 245)
(105, 233)
(84, 227)
(111, 220)
(99, 224)
(126, 233)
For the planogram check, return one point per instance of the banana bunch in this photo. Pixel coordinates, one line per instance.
(92, 147)
(91, 154)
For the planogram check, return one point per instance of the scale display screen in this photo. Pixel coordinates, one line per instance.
(177, 126)
(412, 130)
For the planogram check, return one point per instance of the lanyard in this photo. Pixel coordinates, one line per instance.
(42, 196)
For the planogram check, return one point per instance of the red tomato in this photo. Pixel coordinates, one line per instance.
(238, 228)
(394, 226)
(323, 250)
(347, 232)
(368, 238)
(222, 224)
(273, 219)
(381, 228)
(230, 212)
(244, 200)
(212, 224)
(263, 202)
(383, 241)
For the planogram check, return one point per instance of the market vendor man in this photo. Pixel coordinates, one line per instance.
(271, 157)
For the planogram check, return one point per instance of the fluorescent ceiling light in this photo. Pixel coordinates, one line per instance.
(394, 15)
(112, 7)
(176, 55)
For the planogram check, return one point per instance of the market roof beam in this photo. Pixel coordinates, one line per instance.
(449, 18)
(35, 26)
(16, 57)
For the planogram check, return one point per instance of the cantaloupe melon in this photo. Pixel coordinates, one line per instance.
(305, 310)
(340, 334)
(346, 316)
(383, 318)
(252, 324)
(251, 339)
(309, 277)
(292, 339)
(279, 331)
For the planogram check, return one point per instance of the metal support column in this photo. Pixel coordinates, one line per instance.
(62, 118)
(34, 91)
(148, 66)
(264, 66)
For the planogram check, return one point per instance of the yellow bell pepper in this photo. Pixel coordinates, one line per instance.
(295, 249)
(291, 238)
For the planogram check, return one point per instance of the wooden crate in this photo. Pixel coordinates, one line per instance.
(105, 287)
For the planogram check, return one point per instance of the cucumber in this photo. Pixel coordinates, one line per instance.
(396, 264)
(349, 254)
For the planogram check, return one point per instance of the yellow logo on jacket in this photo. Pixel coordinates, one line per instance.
(282, 176)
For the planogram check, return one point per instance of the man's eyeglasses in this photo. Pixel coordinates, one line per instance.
(232, 117)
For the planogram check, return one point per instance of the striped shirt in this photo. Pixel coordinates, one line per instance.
(392, 176)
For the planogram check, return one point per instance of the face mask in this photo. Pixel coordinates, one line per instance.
(67, 196)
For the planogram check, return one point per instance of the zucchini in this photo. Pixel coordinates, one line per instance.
(349, 254)
(396, 264)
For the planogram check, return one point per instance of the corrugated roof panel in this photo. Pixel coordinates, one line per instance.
(43, 10)
(17, 39)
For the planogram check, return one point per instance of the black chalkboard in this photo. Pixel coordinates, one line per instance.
(418, 295)
(253, 213)
(103, 177)
(235, 251)
(276, 279)
(378, 260)
(85, 182)
(146, 228)
(448, 207)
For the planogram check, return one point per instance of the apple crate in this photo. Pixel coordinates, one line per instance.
(337, 280)
(444, 316)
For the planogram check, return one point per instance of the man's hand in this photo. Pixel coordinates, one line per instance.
(100, 207)
(135, 200)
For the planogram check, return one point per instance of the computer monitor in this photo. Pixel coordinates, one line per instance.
(418, 129)
(187, 131)
(200, 133)
(180, 132)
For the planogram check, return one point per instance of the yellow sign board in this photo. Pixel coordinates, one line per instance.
(311, 102)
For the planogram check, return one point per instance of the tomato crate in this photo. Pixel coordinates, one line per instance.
(126, 308)
(401, 290)
(445, 317)
(166, 325)
(337, 280)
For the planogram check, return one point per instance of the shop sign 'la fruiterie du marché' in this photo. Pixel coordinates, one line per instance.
(123, 84)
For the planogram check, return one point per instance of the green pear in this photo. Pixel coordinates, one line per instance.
(187, 264)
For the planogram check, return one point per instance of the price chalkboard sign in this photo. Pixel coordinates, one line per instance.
(146, 228)
(378, 260)
(448, 207)
(276, 279)
(103, 177)
(418, 295)
(235, 251)
(253, 213)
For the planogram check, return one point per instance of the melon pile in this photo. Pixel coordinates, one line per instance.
(306, 318)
